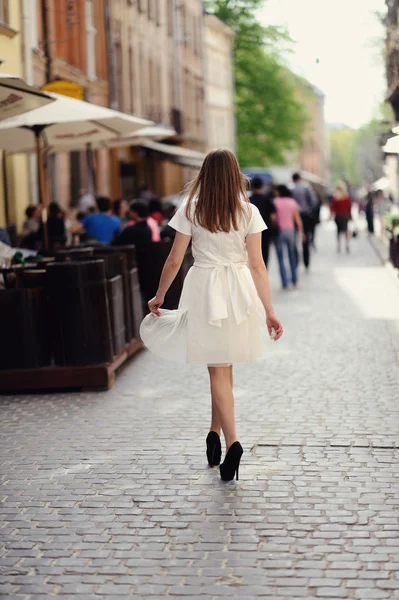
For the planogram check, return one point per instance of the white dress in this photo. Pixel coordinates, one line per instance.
(220, 319)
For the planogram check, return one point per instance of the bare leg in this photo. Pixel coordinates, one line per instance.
(215, 423)
(338, 241)
(223, 400)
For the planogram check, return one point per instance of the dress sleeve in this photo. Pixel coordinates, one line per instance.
(256, 224)
(180, 222)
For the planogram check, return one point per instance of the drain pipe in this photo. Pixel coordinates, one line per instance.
(29, 13)
(111, 57)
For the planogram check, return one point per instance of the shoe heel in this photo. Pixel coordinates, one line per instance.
(237, 474)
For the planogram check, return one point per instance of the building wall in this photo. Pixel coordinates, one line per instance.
(219, 84)
(69, 49)
(17, 166)
(192, 35)
(157, 52)
(313, 156)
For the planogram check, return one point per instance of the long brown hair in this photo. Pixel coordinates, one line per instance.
(218, 190)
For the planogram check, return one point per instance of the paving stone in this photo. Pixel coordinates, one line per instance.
(109, 495)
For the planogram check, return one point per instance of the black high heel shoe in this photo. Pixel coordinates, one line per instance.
(231, 463)
(213, 449)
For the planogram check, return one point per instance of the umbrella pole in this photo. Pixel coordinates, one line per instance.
(42, 192)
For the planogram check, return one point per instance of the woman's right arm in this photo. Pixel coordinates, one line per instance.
(261, 280)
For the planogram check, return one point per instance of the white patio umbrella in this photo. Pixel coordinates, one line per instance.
(17, 97)
(65, 125)
(154, 133)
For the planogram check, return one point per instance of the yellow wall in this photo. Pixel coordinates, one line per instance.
(17, 166)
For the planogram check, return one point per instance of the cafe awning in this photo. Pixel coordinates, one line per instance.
(176, 154)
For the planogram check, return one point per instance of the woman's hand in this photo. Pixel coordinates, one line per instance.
(272, 322)
(155, 304)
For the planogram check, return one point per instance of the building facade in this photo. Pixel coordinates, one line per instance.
(14, 189)
(313, 158)
(68, 41)
(219, 40)
(157, 72)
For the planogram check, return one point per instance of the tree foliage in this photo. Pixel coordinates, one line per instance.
(270, 117)
(356, 154)
(342, 154)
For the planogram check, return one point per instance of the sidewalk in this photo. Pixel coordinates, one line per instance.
(108, 495)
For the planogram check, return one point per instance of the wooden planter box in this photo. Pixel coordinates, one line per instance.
(394, 251)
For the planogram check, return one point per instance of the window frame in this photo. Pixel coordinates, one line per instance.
(5, 12)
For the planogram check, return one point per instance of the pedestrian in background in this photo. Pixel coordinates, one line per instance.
(156, 211)
(146, 194)
(264, 203)
(341, 207)
(56, 228)
(86, 202)
(120, 209)
(102, 226)
(225, 304)
(287, 217)
(369, 211)
(32, 223)
(138, 231)
(303, 196)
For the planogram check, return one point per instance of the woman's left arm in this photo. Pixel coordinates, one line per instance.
(170, 270)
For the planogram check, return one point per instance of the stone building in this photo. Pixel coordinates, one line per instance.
(11, 58)
(68, 41)
(313, 157)
(219, 40)
(157, 72)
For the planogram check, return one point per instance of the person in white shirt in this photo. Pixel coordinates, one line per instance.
(86, 201)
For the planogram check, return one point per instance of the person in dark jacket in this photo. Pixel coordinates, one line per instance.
(140, 232)
(264, 203)
(56, 230)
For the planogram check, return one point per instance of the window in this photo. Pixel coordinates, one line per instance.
(171, 16)
(33, 25)
(90, 41)
(158, 12)
(131, 77)
(118, 74)
(151, 9)
(183, 25)
(4, 12)
(143, 5)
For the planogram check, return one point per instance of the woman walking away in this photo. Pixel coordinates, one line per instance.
(225, 304)
(287, 217)
(341, 207)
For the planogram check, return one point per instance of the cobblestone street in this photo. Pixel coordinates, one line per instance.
(108, 495)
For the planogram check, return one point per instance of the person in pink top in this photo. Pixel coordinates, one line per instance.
(153, 225)
(287, 217)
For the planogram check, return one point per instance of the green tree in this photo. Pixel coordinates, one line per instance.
(270, 117)
(342, 154)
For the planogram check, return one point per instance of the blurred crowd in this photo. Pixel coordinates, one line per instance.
(99, 219)
(291, 215)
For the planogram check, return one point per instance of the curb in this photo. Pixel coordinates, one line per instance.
(380, 248)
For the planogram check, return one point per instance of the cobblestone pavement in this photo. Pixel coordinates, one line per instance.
(108, 495)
